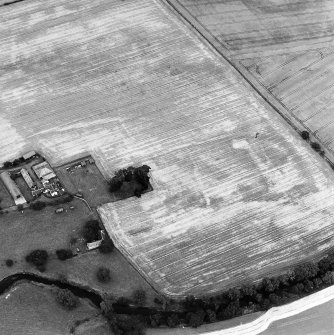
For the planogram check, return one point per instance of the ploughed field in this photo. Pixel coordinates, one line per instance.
(286, 45)
(236, 193)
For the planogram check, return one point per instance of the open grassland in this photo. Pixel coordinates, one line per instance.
(21, 233)
(286, 45)
(236, 193)
(31, 309)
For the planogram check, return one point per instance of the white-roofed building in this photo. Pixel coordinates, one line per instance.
(26, 176)
(44, 171)
(29, 155)
(13, 189)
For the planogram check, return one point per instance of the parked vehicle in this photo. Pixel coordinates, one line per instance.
(59, 210)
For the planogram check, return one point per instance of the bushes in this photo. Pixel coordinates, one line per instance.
(9, 263)
(66, 299)
(64, 254)
(138, 175)
(306, 271)
(316, 146)
(107, 246)
(139, 296)
(90, 231)
(37, 205)
(305, 135)
(38, 258)
(103, 275)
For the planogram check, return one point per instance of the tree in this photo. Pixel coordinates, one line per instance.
(37, 205)
(173, 320)
(274, 299)
(308, 286)
(316, 146)
(248, 291)
(115, 184)
(196, 319)
(103, 274)
(233, 294)
(39, 258)
(324, 265)
(328, 278)
(211, 315)
(305, 135)
(64, 254)
(9, 262)
(306, 271)
(317, 282)
(233, 309)
(107, 246)
(139, 296)
(91, 230)
(7, 164)
(66, 299)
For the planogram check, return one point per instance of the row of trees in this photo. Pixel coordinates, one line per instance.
(304, 279)
(39, 205)
(138, 176)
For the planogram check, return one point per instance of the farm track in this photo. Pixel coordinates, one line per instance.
(130, 84)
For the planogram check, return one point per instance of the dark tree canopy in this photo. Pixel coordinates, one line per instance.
(103, 274)
(305, 135)
(66, 299)
(91, 230)
(37, 205)
(38, 258)
(64, 254)
(107, 246)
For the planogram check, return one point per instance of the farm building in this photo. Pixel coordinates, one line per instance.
(29, 155)
(26, 176)
(13, 188)
(44, 171)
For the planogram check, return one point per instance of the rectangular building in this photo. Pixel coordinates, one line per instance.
(13, 188)
(26, 176)
(44, 171)
(29, 154)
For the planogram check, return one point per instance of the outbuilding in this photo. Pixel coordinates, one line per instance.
(29, 155)
(26, 176)
(13, 188)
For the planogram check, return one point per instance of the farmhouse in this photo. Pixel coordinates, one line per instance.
(13, 188)
(44, 171)
(26, 176)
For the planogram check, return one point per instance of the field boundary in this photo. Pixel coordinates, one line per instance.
(220, 50)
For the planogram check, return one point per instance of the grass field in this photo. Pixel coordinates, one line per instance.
(21, 233)
(236, 193)
(88, 181)
(45, 316)
(286, 46)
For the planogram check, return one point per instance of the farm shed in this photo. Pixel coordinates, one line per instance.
(94, 245)
(13, 189)
(26, 176)
(28, 155)
(44, 171)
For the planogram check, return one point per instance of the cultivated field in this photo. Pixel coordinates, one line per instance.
(237, 194)
(31, 309)
(286, 45)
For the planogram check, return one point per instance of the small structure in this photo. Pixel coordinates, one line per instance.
(13, 188)
(83, 163)
(91, 161)
(59, 210)
(29, 155)
(26, 176)
(44, 171)
(94, 245)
